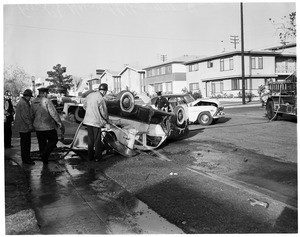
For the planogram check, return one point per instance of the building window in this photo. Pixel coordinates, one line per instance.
(169, 69)
(260, 63)
(226, 64)
(158, 87)
(169, 87)
(222, 65)
(193, 67)
(235, 84)
(256, 63)
(217, 87)
(194, 87)
(210, 64)
(231, 64)
(149, 73)
(157, 71)
(117, 84)
(163, 70)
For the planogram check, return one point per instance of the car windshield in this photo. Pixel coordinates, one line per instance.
(188, 98)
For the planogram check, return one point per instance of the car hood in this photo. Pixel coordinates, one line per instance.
(212, 100)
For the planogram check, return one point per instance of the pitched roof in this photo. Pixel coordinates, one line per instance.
(181, 59)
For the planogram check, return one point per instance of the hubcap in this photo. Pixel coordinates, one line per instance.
(204, 118)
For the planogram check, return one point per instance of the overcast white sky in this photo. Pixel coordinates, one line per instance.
(86, 37)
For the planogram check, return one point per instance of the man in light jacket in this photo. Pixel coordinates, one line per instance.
(96, 117)
(23, 124)
(45, 122)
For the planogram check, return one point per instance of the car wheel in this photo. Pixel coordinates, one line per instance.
(205, 119)
(180, 116)
(126, 101)
(271, 111)
(79, 114)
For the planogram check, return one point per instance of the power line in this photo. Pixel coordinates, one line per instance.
(112, 35)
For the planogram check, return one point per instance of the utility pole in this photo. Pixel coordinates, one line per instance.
(163, 57)
(243, 56)
(33, 84)
(234, 39)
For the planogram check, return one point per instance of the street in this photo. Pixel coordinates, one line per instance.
(236, 176)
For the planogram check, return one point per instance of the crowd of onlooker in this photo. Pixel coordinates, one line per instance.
(32, 115)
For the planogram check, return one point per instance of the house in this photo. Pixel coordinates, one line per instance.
(112, 79)
(221, 75)
(82, 87)
(131, 79)
(168, 77)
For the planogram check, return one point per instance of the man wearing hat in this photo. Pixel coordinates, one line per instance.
(161, 103)
(45, 122)
(96, 117)
(23, 124)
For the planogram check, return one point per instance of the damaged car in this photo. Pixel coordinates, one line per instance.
(133, 126)
(204, 111)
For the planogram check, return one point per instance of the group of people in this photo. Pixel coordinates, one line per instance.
(38, 115)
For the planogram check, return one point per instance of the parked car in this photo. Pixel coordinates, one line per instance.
(204, 111)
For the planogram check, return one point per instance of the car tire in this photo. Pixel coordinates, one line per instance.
(126, 101)
(205, 119)
(180, 117)
(271, 114)
(79, 114)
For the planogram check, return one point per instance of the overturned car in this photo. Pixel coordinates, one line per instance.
(133, 126)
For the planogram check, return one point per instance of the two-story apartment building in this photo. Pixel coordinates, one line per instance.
(222, 74)
(168, 77)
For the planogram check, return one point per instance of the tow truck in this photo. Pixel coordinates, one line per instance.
(282, 98)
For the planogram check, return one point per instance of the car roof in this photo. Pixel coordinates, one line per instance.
(173, 95)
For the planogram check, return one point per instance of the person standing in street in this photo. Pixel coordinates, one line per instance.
(45, 122)
(161, 103)
(8, 119)
(96, 117)
(23, 124)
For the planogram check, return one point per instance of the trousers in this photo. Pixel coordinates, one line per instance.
(47, 142)
(25, 142)
(94, 143)
(7, 134)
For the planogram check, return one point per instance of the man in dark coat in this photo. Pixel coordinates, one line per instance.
(23, 124)
(161, 103)
(45, 122)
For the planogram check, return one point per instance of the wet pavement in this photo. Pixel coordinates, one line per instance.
(71, 196)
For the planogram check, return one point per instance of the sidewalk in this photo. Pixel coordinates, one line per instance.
(19, 216)
(70, 196)
(238, 103)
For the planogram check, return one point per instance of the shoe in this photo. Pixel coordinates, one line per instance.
(30, 162)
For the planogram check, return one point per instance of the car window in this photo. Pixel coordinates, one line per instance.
(188, 98)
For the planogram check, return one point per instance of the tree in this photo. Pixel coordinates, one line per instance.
(287, 28)
(59, 83)
(16, 80)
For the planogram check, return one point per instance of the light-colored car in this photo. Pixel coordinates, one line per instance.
(204, 110)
